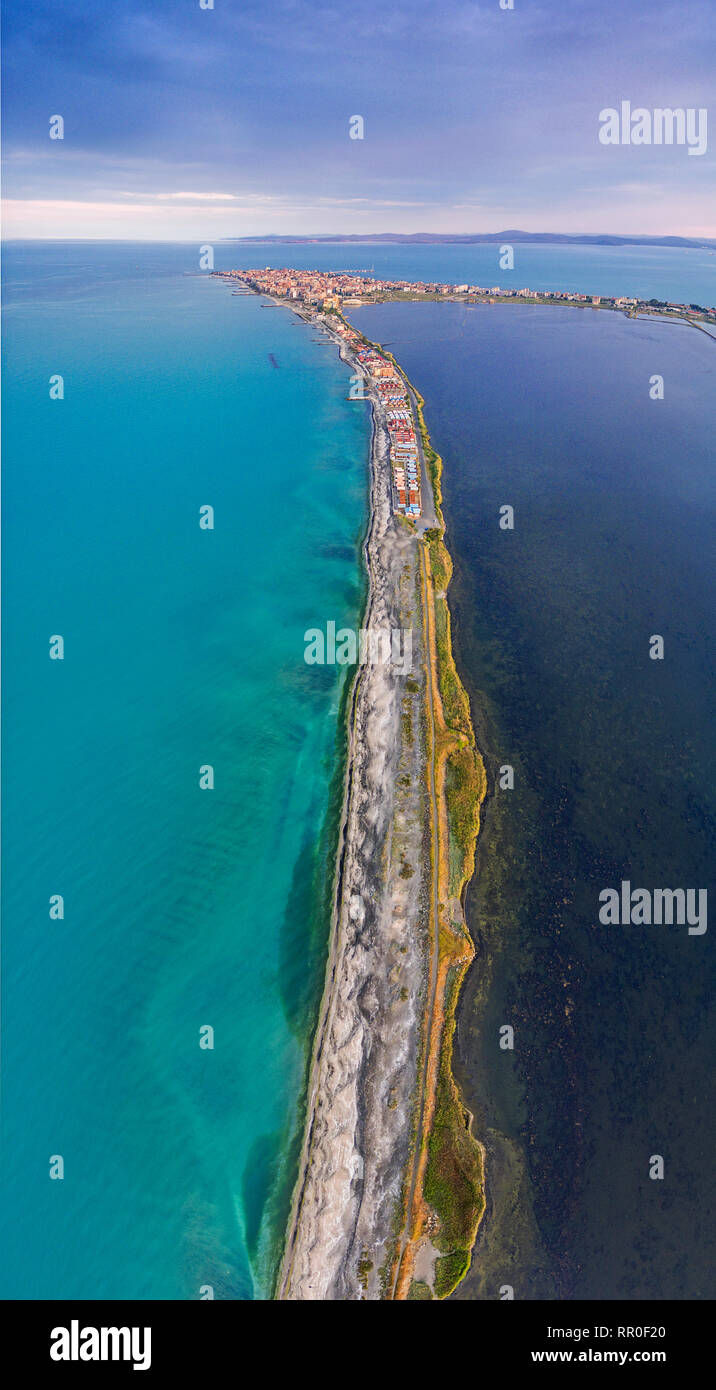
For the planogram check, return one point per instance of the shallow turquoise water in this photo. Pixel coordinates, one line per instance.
(183, 647)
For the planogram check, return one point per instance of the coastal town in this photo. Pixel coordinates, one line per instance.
(334, 291)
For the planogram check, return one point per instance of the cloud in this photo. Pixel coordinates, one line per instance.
(465, 106)
(198, 197)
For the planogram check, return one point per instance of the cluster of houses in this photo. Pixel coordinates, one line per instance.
(404, 458)
(321, 289)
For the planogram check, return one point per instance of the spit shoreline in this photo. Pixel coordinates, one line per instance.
(389, 1192)
(331, 962)
(359, 1113)
(434, 1093)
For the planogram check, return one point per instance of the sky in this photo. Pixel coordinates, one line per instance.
(188, 123)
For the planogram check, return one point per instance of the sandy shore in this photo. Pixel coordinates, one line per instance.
(366, 1055)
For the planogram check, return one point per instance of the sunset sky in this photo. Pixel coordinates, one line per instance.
(182, 122)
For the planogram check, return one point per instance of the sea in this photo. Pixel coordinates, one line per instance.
(156, 1034)
(185, 907)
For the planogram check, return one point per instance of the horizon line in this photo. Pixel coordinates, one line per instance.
(663, 238)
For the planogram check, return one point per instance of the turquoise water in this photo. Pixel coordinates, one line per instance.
(183, 647)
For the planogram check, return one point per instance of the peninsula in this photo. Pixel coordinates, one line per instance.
(332, 291)
(390, 1189)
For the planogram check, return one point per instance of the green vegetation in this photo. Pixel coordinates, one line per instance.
(418, 1290)
(465, 778)
(456, 705)
(449, 1270)
(454, 1180)
(433, 461)
(465, 785)
(364, 1268)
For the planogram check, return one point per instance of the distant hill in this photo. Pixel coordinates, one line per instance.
(511, 235)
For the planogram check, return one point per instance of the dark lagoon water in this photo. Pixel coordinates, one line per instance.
(549, 411)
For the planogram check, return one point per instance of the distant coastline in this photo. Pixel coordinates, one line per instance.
(481, 238)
